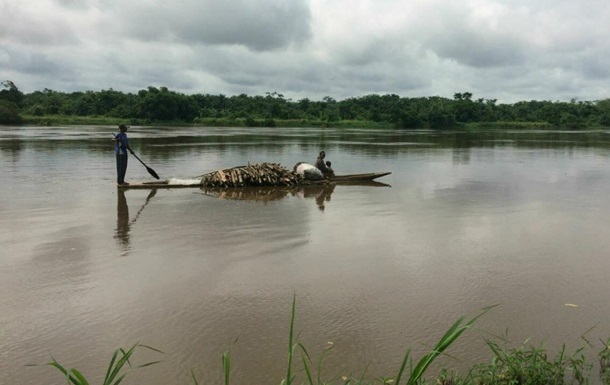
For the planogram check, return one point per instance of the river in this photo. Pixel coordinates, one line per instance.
(464, 221)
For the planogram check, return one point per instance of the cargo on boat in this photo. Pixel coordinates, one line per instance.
(255, 175)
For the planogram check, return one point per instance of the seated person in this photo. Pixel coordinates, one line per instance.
(331, 172)
(321, 165)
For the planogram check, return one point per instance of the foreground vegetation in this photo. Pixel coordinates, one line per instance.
(524, 365)
(162, 106)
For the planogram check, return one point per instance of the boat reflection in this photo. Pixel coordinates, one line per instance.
(321, 193)
(123, 223)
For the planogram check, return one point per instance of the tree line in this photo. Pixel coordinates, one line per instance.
(159, 104)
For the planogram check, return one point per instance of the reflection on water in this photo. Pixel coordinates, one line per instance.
(322, 196)
(321, 193)
(253, 194)
(121, 233)
(151, 194)
(472, 219)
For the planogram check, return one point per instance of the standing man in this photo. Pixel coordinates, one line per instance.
(121, 148)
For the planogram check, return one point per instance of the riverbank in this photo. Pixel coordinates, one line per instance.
(63, 120)
(526, 364)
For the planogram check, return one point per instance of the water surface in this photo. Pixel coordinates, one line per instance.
(468, 220)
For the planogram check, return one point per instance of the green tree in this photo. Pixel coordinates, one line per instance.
(11, 93)
(9, 112)
(439, 112)
(570, 121)
(162, 104)
(330, 111)
(10, 101)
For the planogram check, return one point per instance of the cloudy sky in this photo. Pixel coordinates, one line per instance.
(510, 50)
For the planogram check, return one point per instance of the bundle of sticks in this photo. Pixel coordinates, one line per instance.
(259, 174)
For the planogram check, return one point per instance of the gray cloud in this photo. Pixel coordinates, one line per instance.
(74, 4)
(479, 50)
(260, 26)
(511, 50)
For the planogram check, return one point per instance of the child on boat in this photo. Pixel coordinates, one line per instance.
(330, 173)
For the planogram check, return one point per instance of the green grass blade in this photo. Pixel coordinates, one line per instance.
(402, 366)
(320, 360)
(110, 366)
(307, 370)
(150, 348)
(494, 349)
(148, 364)
(226, 365)
(300, 345)
(366, 368)
(194, 378)
(114, 372)
(119, 365)
(290, 343)
(226, 362)
(65, 372)
(128, 356)
(452, 334)
(81, 379)
(115, 366)
(58, 366)
(119, 380)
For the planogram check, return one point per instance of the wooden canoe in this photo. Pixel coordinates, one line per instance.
(338, 179)
(349, 178)
(158, 184)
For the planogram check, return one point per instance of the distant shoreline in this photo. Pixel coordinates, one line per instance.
(58, 120)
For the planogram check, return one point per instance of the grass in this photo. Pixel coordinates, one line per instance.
(530, 365)
(525, 365)
(511, 126)
(67, 120)
(604, 363)
(117, 369)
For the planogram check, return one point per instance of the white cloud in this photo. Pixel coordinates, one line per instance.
(508, 50)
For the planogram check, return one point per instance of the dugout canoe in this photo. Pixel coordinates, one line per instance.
(349, 178)
(168, 183)
(177, 183)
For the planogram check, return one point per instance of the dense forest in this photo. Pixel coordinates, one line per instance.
(161, 105)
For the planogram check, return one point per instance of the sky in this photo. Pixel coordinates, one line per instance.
(510, 50)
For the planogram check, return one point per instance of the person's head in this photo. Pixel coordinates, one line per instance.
(123, 128)
(322, 154)
(328, 163)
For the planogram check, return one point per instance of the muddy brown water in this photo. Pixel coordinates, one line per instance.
(514, 218)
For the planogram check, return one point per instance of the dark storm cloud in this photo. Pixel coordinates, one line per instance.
(259, 26)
